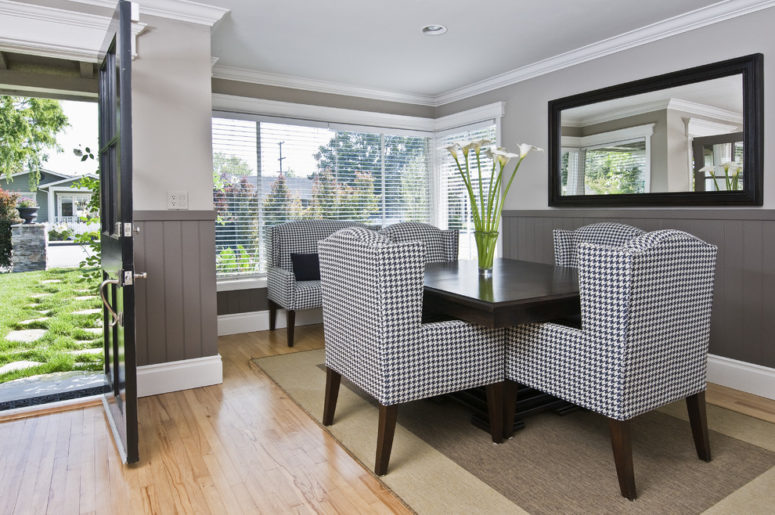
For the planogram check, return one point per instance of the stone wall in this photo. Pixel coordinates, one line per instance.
(29, 243)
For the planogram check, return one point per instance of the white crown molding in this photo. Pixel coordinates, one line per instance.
(686, 22)
(699, 127)
(604, 138)
(180, 10)
(53, 32)
(676, 104)
(239, 74)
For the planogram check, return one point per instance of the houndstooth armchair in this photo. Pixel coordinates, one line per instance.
(605, 233)
(441, 246)
(283, 290)
(372, 307)
(645, 310)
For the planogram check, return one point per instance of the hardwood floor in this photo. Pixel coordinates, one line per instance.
(239, 447)
(242, 446)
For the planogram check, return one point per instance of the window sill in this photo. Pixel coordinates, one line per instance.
(248, 283)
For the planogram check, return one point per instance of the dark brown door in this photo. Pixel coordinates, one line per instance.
(117, 288)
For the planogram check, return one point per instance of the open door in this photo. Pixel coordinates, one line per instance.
(117, 288)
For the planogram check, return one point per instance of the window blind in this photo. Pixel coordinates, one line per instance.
(283, 171)
(456, 211)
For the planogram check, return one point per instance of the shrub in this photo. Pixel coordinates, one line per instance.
(8, 217)
(60, 233)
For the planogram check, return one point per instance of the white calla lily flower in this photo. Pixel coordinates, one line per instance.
(526, 148)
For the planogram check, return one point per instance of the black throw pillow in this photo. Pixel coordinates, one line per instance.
(306, 267)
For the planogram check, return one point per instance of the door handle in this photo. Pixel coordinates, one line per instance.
(115, 318)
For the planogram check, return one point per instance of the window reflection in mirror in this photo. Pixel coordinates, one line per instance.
(682, 139)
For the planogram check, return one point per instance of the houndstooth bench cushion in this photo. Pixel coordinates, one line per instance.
(645, 310)
(442, 246)
(372, 309)
(605, 233)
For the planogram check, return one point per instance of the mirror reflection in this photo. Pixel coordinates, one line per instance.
(683, 139)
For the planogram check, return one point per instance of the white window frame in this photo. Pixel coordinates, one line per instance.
(272, 111)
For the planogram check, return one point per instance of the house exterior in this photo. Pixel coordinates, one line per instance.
(59, 198)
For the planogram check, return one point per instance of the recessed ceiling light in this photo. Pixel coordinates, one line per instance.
(434, 30)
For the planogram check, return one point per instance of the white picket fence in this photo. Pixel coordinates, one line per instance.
(73, 224)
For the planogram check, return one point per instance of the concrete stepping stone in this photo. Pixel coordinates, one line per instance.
(51, 281)
(39, 295)
(94, 330)
(26, 335)
(17, 365)
(33, 320)
(87, 311)
(85, 351)
(85, 297)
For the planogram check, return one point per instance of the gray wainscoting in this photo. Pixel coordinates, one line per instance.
(242, 301)
(743, 324)
(176, 305)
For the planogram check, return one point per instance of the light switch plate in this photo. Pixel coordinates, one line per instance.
(177, 199)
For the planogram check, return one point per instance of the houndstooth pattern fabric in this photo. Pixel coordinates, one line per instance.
(645, 310)
(372, 309)
(299, 237)
(442, 246)
(605, 233)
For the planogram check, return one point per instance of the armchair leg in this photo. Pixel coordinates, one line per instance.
(333, 379)
(622, 446)
(272, 314)
(509, 407)
(495, 410)
(291, 317)
(387, 428)
(695, 404)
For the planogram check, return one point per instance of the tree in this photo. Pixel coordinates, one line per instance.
(224, 164)
(28, 128)
(280, 205)
(612, 173)
(333, 199)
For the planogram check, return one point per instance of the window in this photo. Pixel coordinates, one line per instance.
(610, 162)
(268, 171)
(455, 206)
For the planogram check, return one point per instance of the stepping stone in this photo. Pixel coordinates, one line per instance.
(32, 320)
(94, 330)
(51, 281)
(87, 311)
(39, 295)
(25, 335)
(84, 291)
(85, 297)
(85, 351)
(17, 365)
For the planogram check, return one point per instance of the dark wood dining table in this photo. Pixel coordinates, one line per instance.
(517, 292)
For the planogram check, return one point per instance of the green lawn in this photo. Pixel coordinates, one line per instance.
(21, 300)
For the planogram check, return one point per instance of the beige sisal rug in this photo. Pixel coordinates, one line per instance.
(557, 464)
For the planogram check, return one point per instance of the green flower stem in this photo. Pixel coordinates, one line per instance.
(481, 193)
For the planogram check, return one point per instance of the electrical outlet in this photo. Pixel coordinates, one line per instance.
(177, 199)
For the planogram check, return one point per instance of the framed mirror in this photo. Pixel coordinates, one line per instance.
(692, 137)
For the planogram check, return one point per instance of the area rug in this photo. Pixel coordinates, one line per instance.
(443, 464)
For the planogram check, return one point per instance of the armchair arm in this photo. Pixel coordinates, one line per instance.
(564, 248)
(451, 244)
(280, 285)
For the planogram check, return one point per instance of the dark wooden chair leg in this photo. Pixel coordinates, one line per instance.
(272, 314)
(387, 428)
(333, 379)
(622, 446)
(509, 407)
(291, 318)
(695, 404)
(495, 410)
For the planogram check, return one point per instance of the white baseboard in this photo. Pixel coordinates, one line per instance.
(259, 321)
(179, 375)
(743, 376)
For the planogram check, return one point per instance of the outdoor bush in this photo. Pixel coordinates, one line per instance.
(8, 217)
(60, 233)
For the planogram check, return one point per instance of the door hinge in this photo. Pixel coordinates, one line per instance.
(123, 229)
(127, 230)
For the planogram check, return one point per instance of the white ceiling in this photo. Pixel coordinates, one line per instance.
(378, 44)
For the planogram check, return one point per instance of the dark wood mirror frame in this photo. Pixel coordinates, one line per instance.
(751, 69)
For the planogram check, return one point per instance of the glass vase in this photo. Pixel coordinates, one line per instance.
(485, 248)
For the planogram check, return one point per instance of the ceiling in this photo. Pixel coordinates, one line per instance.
(379, 44)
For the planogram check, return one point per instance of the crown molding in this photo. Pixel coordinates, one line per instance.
(718, 113)
(179, 10)
(240, 74)
(676, 104)
(724, 10)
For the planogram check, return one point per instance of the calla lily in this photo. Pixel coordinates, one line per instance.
(501, 155)
(453, 149)
(525, 148)
(476, 146)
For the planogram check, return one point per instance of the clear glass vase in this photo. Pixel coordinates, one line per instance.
(485, 248)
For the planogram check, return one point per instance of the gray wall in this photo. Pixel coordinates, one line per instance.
(176, 305)
(743, 322)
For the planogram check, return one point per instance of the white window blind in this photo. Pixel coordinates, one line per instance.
(283, 170)
(456, 213)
